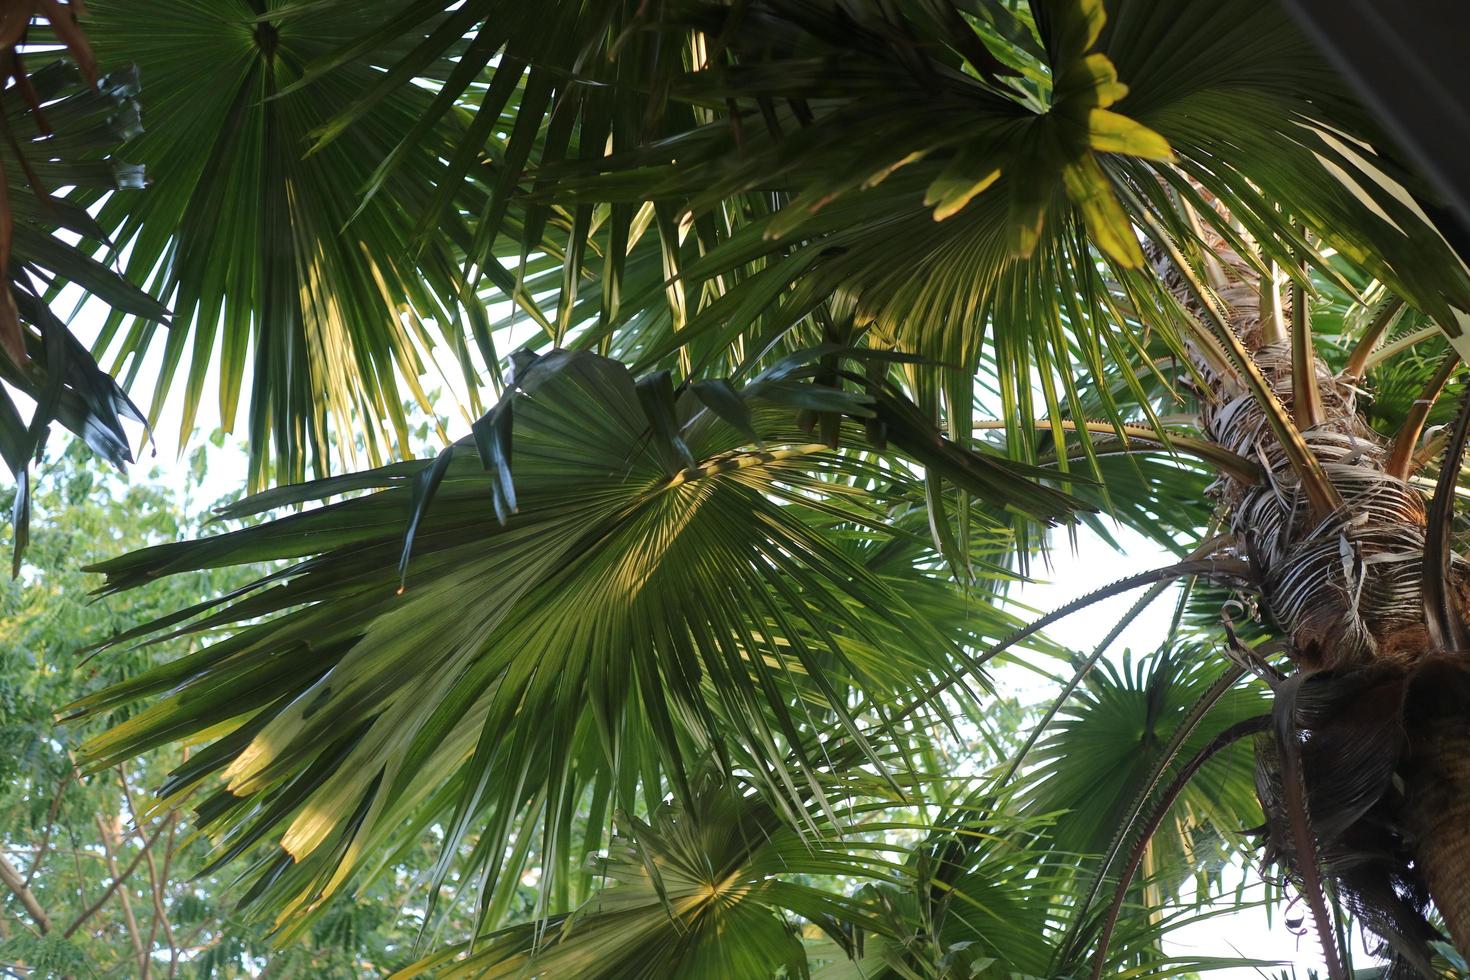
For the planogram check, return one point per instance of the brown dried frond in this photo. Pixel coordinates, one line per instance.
(17, 18)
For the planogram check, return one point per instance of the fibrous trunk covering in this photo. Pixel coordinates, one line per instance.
(1375, 719)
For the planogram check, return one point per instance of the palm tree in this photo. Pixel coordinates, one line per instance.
(818, 314)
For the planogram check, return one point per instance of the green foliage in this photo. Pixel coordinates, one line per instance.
(678, 659)
(61, 830)
(651, 595)
(743, 881)
(307, 289)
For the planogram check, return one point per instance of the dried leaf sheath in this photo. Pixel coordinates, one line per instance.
(1347, 589)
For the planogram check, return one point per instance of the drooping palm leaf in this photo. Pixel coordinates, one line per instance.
(706, 115)
(15, 24)
(853, 247)
(60, 136)
(864, 230)
(1109, 763)
(271, 267)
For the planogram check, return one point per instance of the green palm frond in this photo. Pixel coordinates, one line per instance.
(981, 895)
(855, 125)
(719, 885)
(602, 584)
(275, 269)
(837, 302)
(716, 885)
(1112, 735)
(696, 186)
(1098, 772)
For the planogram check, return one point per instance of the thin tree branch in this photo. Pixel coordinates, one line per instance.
(109, 846)
(51, 813)
(117, 881)
(168, 860)
(10, 875)
(89, 855)
(1234, 465)
(76, 863)
(156, 881)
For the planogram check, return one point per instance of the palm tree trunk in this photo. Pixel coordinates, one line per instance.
(1346, 588)
(1437, 795)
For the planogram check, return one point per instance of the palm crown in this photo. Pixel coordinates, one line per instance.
(797, 324)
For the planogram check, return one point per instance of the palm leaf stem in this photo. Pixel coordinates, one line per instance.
(1383, 320)
(1147, 599)
(1401, 460)
(1425, 455)
(1234, 465)
(1322, 496)
(742, 461)
(1306, 397)
(1187, 727)
(1231, 735)
(1402, 344)
(1214, 270)
(1273, 330)
(1446, 632)
(1304, 841)
(1228, 567)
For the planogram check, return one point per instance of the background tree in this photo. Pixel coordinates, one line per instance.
(97, 884)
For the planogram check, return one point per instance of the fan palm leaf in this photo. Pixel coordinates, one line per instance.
(720, 885)
(703, 118)
(652, 569)
(273, 269)
(1113, 734)
(709, 886)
